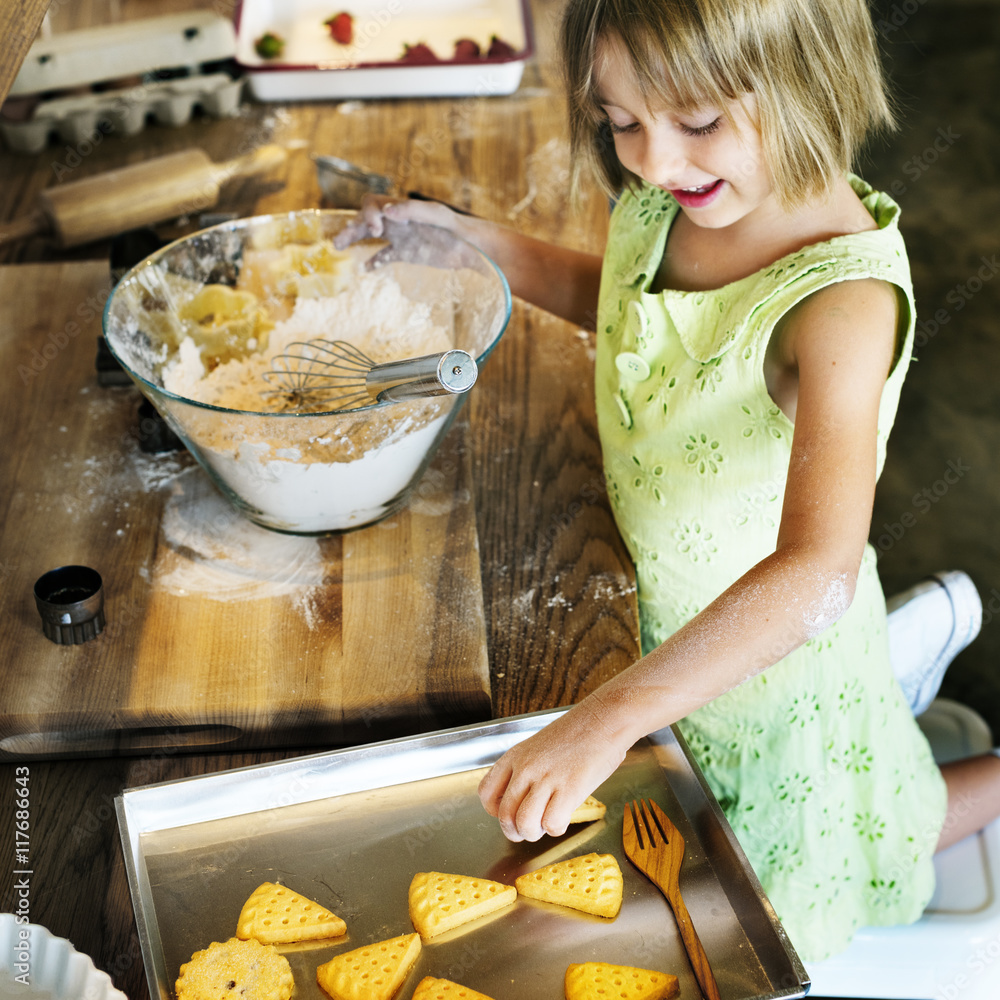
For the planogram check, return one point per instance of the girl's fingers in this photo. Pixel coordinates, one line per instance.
(366, 223)
(493, 786)
(555, 820)
(376, 208)
(356, 229)
(521, 817)
(426, 210)
(517, 804)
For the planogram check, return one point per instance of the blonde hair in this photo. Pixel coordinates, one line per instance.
(811, 65)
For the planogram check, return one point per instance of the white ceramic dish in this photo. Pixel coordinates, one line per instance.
(55, 969)
(312, 66)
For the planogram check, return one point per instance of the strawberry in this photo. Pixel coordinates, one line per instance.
(341, 27)
(419, 54)
(466, 48)
(499, 48)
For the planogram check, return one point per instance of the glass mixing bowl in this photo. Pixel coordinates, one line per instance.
(197, 322)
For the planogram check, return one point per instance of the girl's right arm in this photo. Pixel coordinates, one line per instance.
(561, 281)
(842, 340)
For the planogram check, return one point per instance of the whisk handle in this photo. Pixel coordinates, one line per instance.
(432, 375)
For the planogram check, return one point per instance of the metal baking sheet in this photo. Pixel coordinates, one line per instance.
(350, 828)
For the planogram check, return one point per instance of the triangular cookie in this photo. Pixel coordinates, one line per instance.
(274, 914)
(373, 972)
(599, 980)
(589, 810)
(430, 988)
(591, 882)
(439, 902)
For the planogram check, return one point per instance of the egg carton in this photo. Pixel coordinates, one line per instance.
(179, 54)
(86, 117)
(88, 55)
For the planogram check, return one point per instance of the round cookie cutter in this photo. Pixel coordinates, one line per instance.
(70, 600)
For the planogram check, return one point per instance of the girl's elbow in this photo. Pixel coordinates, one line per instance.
(831, 603)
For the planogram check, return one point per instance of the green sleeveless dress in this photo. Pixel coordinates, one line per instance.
(817, 762)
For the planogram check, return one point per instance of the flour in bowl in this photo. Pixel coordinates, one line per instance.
(371, 312)
(200, 322)
(315, 472)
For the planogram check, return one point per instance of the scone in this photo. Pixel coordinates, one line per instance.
(234, 968)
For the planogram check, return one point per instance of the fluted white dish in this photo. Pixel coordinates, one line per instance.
(56, 970)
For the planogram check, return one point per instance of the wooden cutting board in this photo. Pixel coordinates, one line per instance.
(219, 633)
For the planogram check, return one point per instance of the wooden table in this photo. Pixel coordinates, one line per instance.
(558, 588)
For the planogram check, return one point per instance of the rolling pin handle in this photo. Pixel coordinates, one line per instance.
(35, 224)
(259, 161)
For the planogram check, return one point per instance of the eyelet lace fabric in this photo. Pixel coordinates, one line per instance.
(817, 762)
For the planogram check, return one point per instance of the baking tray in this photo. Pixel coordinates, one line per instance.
(314, 67)
(349, 828)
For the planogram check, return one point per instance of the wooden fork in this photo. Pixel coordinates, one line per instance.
(654, 845)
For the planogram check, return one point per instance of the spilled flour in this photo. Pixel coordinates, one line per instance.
(213, 552)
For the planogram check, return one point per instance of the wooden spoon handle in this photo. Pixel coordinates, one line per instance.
(694, 948)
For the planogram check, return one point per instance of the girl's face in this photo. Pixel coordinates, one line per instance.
(713, 167)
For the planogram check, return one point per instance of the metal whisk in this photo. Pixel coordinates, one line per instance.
(337, 375)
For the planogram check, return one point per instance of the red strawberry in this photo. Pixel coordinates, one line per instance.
(341, 27)
(466, 48)
(500, 48)
(419, 54)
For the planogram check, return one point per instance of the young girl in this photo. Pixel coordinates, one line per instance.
(754, 324)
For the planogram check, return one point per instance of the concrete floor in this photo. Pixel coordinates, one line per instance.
(936, 502)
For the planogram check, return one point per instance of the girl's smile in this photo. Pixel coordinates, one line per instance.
(698, 197)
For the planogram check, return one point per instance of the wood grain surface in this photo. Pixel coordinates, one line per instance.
(218, 631)
(558, 588)
(19, 23)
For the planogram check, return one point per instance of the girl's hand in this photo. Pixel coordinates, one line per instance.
(534, 787)
(559, 280)
(377, 208)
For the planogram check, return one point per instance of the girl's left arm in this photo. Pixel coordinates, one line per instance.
(841, 341)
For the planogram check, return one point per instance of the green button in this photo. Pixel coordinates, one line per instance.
(626, 412)
(637, 319)
(632, 366)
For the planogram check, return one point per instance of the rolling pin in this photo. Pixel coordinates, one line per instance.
(138, 195)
